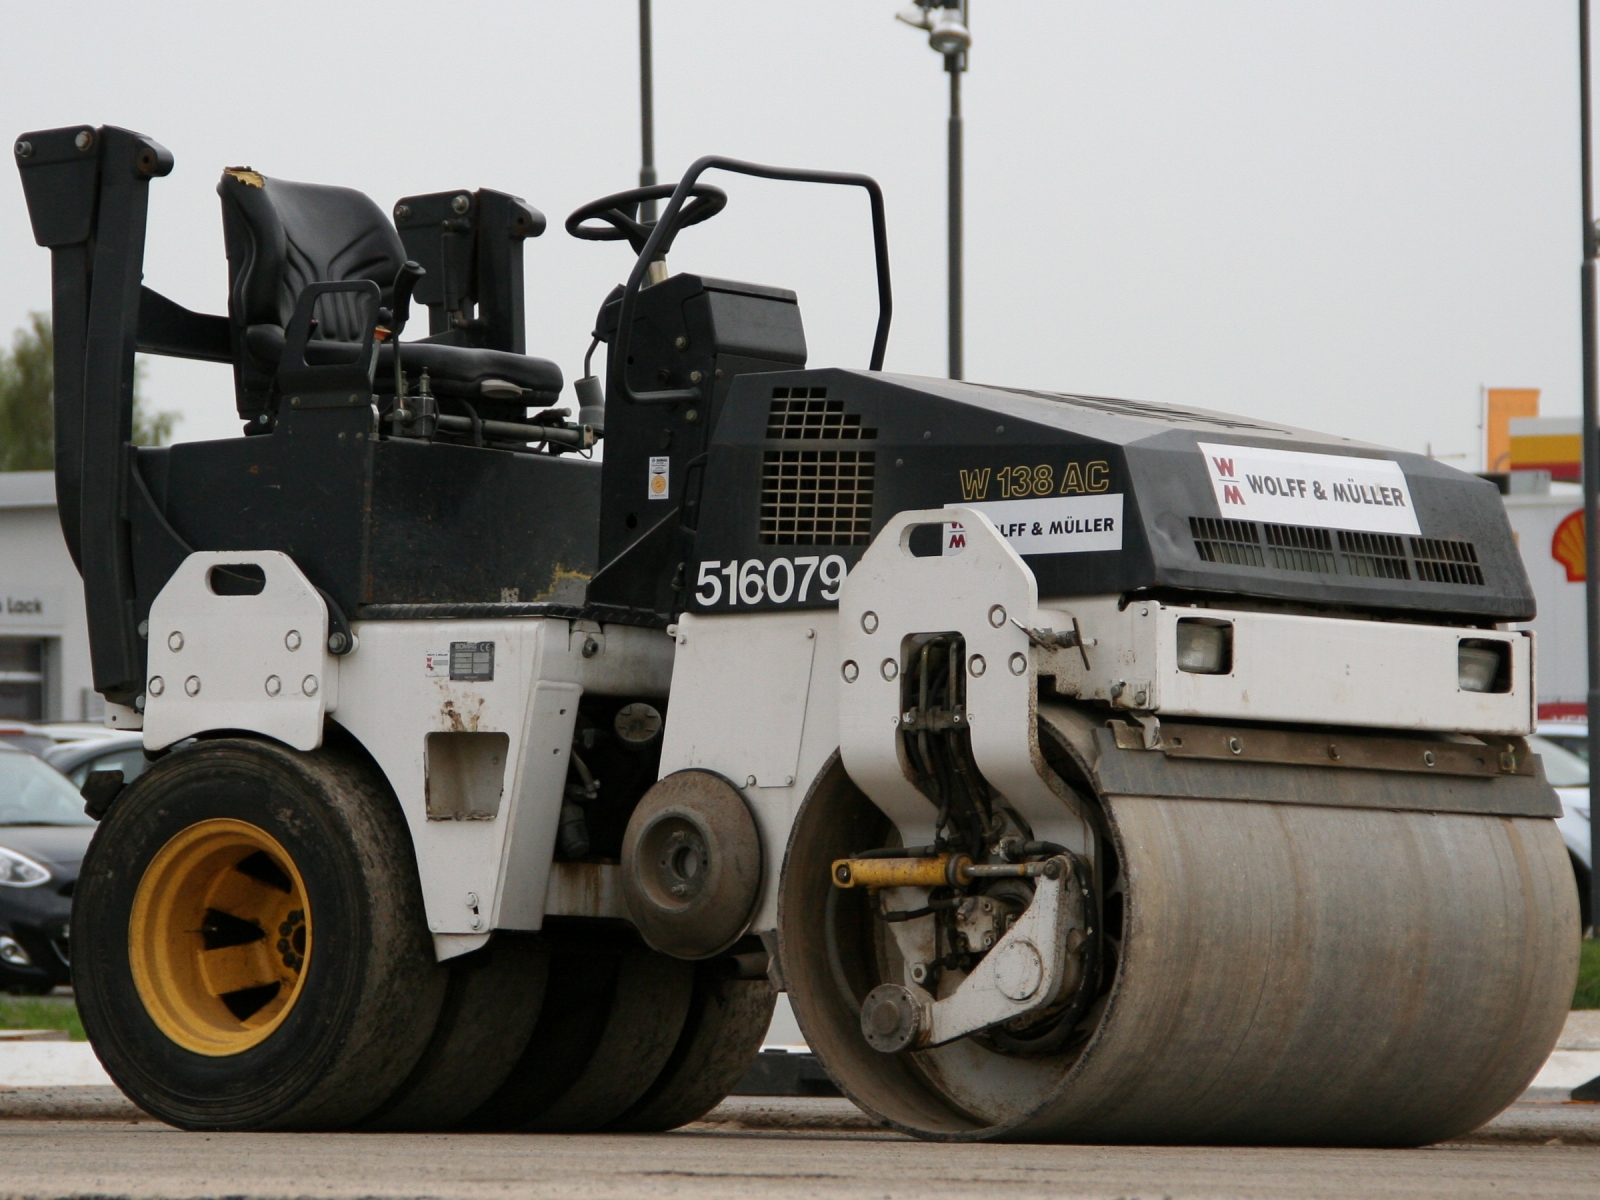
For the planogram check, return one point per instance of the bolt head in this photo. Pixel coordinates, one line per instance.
(291, 640)
(174, 641)
(402, 211)
(84, 140)
(24, 149)
(191, 685)
(156, 686)
(274, 685)
(460, 204)
(309, 685)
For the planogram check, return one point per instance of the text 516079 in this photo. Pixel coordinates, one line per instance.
(781, 581)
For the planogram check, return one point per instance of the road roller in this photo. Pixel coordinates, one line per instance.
(1083, 769)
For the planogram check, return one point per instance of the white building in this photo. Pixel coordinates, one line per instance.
(44, 636)
(1547, 520)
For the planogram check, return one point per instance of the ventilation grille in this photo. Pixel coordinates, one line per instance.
(1219, 540)
(1374, 555)
(807, 413)
(1335, 552)
(1300, 548)
(816, 497)
(1441, 561)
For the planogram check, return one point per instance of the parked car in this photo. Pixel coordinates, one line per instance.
(1564, 747)
(43, 836)
(118, 752)
(40, 737)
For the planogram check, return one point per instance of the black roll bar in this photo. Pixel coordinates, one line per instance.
(664, 226)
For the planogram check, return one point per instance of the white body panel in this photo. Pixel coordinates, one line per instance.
(1299, 669)
(239, 662)
(487, 867)
(391, 704)
(731, 714)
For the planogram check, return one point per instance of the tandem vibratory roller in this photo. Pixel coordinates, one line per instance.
(1083, 769)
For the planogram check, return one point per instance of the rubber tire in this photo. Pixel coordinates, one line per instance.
(370, 998)
(488, 1016)
(728, 1018)
(611, 1020)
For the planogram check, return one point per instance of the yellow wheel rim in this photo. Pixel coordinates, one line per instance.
(220, 937)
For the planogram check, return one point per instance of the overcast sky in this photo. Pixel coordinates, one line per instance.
(1347, 215)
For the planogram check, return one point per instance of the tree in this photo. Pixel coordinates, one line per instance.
(27, 402)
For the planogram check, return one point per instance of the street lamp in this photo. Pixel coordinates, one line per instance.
(946, 25)
(647, 113)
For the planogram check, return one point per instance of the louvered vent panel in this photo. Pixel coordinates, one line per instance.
(1300, 548)
(807, 414)
(1219, 540)
(816, 497)
(1373, 555)
(1441, 561)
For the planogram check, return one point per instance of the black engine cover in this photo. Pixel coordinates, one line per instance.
(1100, 496)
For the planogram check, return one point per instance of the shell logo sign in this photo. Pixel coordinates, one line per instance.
(1566, 546)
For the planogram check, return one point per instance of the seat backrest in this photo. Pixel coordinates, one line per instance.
(281, 236)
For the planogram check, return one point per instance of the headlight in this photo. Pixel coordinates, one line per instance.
(1205, 647)
(20, 871)
(11, 952)
(1483, 665)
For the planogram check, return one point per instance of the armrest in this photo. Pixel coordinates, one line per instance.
(168, 328)
(353, 375)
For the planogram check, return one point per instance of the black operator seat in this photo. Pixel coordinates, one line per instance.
(282, 236)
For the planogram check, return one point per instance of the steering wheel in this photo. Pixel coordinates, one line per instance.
(619, 214)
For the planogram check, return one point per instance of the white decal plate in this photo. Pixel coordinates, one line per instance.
(1290, 487)
(1053, 525)
(657, 488)
(436, 664)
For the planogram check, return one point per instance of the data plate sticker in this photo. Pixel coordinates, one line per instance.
(1291, 487)
(1056, 525)
(472, 662)
(657, 488)
(436, 664)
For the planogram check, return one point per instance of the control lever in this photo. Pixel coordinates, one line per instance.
(405, 282)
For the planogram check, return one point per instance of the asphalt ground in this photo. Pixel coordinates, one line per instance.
(66, 1143)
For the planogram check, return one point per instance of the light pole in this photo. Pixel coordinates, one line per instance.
(1591, 488)
(647, 113)
(946, 23)
(1591, 465)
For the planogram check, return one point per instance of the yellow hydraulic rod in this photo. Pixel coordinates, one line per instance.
(939, 870)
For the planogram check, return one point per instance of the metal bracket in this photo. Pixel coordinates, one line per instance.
(219, 659)
(1028, 969)
(892, 594)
